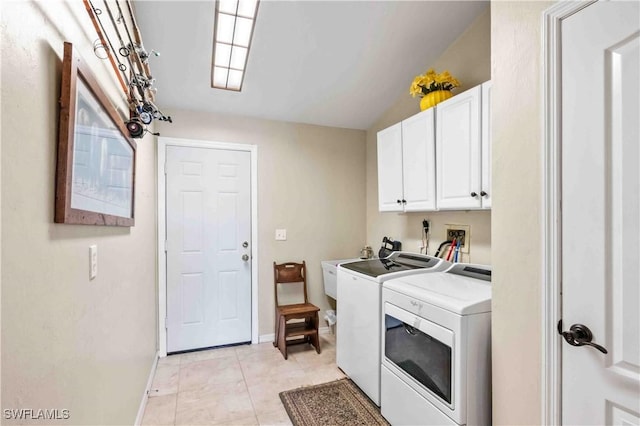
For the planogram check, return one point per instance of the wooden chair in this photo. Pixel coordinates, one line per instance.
(307, 330)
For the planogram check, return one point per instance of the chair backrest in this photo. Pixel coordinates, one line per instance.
(290, 273)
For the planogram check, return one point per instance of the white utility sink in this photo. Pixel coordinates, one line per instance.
(329, 275)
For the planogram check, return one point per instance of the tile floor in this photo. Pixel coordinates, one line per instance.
(237, 385)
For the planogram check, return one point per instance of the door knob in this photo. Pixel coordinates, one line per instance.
(474, 194)
(483, 193)
(579, 335)
(245, 257)
(245, 244)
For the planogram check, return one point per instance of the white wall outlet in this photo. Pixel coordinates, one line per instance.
(281, 234)
(93, 261)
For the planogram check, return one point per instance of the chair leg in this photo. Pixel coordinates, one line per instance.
(282, 336)
(277, 330)
(308, 323)
(315, 337)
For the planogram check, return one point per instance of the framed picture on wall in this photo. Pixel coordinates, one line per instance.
(95, 177)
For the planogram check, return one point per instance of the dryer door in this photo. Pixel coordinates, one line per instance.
(422, 350)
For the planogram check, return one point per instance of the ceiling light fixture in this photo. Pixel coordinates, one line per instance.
(233, 28)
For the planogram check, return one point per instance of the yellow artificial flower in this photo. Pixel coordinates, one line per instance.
(432, 81)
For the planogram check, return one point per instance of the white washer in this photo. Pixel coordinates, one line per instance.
(436, 348)
(359, 306)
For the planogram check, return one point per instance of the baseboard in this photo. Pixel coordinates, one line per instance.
(324, 330)
(264, 338)
(145, 396)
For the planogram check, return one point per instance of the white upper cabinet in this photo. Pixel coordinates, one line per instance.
(458, 151)
(440, 158)
(406, 165)
(390, 169)
(485, 192)
(463, 150)
(419, 162)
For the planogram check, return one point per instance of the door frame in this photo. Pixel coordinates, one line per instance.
(551, 380)
(163, 143)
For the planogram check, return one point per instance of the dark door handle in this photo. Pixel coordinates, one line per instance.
(474, 194)
(579, 335)
(483, 193)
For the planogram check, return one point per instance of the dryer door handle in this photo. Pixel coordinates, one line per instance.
(410, 330)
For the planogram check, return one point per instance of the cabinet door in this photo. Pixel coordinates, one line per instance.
(486, 145)
(418, 161)
(390, 169)
(458, 151)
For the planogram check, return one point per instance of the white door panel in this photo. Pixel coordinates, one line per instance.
(208, 220)
(486, 192)
(601, 212)
(390, 169)
(418, 161)
(458, 153)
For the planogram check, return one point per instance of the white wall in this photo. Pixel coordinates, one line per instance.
(516, 46)
(468, 58)
(311, 181)
(67, 342)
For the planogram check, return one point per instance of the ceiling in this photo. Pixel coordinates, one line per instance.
(330, 63)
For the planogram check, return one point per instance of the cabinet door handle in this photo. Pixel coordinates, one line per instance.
(474, 194)
(404, 201)
(483, 193)
(398, 201)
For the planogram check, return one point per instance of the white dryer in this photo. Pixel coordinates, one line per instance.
(358, 304)
(436, 348)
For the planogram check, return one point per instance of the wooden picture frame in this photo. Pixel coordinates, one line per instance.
(95, 177)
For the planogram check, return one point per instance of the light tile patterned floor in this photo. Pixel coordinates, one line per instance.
(237, 385)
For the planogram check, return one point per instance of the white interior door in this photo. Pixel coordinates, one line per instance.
(601, 214)
(208, 220)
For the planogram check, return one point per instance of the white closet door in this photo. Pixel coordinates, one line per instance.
(601, 213)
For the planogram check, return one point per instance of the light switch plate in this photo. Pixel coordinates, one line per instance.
(93, 261)
(281, 234)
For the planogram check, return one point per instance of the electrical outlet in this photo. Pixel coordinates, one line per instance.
(460, 232)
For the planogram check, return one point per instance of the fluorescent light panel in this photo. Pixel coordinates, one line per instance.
(234, 21)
